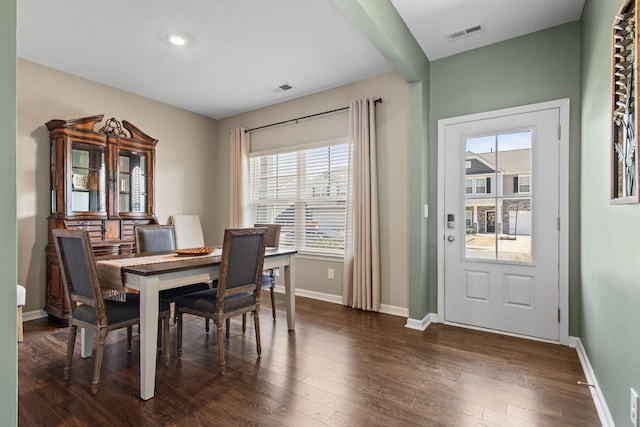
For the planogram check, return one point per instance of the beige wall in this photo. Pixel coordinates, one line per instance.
(192, 173)
(393, 139)
(184, 156)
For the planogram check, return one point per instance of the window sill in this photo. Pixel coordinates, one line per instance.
(320, 257)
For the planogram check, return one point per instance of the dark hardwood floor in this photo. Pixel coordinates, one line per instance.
(340, 367)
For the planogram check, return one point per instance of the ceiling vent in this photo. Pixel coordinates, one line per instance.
(469, 31)
(281, 88)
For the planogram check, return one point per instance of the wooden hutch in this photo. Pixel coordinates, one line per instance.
(102, 181)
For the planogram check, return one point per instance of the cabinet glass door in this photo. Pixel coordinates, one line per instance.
(88, 190)
(132, 182)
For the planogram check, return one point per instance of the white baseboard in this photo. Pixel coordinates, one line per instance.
(33, 315)
(394, 310)
(421, 325)
(337, 299)
(596, 393)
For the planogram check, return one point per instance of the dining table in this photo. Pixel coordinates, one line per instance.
(149, 276)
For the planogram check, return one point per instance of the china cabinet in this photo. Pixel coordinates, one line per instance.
(101, 181)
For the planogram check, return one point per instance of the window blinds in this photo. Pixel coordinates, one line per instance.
(304, 191)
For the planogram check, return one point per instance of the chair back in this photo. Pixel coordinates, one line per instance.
(188, 231)
(272, 234)
(241, 263)
(78, 268)
(155, 238)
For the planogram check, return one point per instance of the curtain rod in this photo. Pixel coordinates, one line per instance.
(379, 100)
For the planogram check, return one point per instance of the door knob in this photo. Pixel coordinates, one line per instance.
(451, 239)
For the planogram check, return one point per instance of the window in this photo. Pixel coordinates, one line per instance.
(468, 185)
(304, 191)
(483, 185)
(468, 218)
(524, 184)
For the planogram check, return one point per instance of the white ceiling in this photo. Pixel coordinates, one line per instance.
(239, 50)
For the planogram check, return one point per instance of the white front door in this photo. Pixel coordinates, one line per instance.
(500, 210)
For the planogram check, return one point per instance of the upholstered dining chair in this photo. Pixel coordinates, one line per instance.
(188, 231)
(156, 238)
(271, 241)
(238, 290)
(88, 308)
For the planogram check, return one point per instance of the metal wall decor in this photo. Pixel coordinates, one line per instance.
(624, 172)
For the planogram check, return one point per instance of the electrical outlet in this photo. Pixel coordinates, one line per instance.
(330, 273)
(633, 414)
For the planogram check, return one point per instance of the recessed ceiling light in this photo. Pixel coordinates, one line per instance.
(177, 40)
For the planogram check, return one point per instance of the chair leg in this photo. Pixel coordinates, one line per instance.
(165, 340)
(179, 336)
(228, 323)
(206, 324)
(175, 313)
(70, 345)
(273, 299)
(256, 322)
(20, 328)
(220, 346)
(160, 332)
(129, 338)
(97, 362)
(244, 322)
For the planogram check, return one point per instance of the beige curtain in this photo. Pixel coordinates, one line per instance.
(239, 168)
(361, 276)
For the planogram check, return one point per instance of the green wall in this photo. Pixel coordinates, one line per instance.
(538, 67)
(8, 248)
(610, 233)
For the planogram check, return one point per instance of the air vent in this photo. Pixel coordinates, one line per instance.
(469, 31)
(281, 88)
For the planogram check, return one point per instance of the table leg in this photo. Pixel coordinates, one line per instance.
(86, 343)
(290, 292)
(148, 336)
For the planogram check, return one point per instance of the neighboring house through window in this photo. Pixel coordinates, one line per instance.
(497, 188)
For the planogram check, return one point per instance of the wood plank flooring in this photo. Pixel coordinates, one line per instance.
(341, 367)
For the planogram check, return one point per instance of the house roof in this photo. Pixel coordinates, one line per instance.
(511, 162)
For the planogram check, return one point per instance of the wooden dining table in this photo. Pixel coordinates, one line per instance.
(150, 279)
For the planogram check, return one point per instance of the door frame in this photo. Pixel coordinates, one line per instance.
(563, 193)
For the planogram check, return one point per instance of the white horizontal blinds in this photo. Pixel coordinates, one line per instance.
(305, 192)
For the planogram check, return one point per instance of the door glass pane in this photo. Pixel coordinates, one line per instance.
(88, 191)
(132, 188)
(480, 239)
(498, 205)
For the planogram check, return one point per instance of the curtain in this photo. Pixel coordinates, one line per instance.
(239, 192)
(361, 274)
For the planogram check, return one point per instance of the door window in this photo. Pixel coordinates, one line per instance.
(498, 207)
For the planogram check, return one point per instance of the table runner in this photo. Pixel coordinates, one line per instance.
(110, 271)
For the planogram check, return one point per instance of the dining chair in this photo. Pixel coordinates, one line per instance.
(88, 308)
(157, 238)
(272, 241)
(238, 290)
(188, 231)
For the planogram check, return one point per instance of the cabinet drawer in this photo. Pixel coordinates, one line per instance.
(94, 227)
(106, 250)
